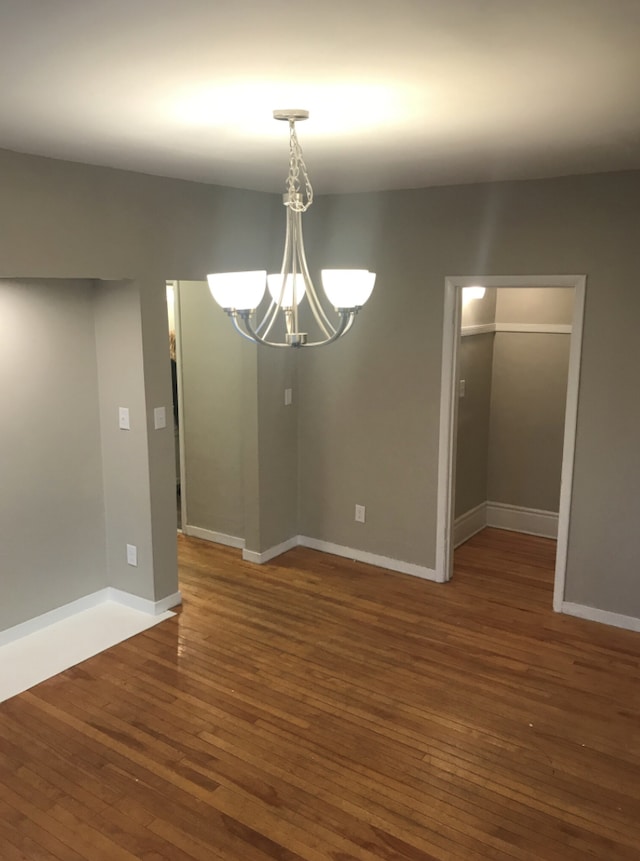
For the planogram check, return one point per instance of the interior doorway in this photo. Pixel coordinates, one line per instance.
(451, 391)
(173, 316)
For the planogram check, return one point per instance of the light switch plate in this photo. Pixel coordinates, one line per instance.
(159, 418)
(123, 418)
(132, 555)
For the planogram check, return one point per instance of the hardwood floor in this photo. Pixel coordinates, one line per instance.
(316, 708)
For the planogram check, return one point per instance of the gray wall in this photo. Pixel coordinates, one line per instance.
(240, 440)
(475, 367)
(70, 221)
(376, 396)
(534, 305)
(368, 407)
(528, 398)
(511, 421)
(213, 394)
(52, 531)
(475, 363)
(125, 454)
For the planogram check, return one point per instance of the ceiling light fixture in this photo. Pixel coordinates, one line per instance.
(240, 293)
(470, 293)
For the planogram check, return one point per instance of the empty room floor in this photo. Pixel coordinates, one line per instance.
(320, 709)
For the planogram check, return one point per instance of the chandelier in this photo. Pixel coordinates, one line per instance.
(241, 293)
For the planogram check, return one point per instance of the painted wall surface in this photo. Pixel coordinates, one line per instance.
(213, 395)
(240, 440)
(475, 361)
(52, 532)
(368, 407)
(369, 423)
(277, 448)
(535, 305)
(125, 453)
(528, 399)
(511, 420)
(70, 221)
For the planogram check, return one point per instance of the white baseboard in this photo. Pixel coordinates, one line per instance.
(469, 523)
(216, 537)
(134, 602)
(605, 617)
(518, 519)
(271, 553)
(339, 550)
(52, 616)
(67, 611)
(370, 558)
(514, 518)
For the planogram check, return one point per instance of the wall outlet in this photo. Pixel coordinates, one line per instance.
(462, 388)
(132, 555)
(123, 418)
(360, 513)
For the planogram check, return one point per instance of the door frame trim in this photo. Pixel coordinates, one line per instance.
(449, 407)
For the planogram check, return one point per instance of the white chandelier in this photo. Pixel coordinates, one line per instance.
(241, 293)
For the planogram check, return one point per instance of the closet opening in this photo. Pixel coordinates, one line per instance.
(511, 362)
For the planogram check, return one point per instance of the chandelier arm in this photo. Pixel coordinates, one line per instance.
(270, 316)
(318, 311)
(292, 318)
(347, 316)
(234, 319)
(254, 336)
(271, 313)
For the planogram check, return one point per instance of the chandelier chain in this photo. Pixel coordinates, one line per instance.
(299, 199)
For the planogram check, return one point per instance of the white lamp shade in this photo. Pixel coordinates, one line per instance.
(242, 291)
(274, 283)
(348, 288)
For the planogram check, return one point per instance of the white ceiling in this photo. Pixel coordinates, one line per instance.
(402, 93)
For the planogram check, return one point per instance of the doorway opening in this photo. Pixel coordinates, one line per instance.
(173, 316)
(508, 516)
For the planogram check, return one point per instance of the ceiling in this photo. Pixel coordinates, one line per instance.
(402, 93)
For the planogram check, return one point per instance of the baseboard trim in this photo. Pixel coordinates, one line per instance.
(369, 558)
(605, 617)
(469, 523)
(66, 611)
(215, 537)
(515, 518)
(144, 605)
(271, 553)
(340, 550)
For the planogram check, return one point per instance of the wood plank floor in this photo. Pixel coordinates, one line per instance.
(320, 709)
